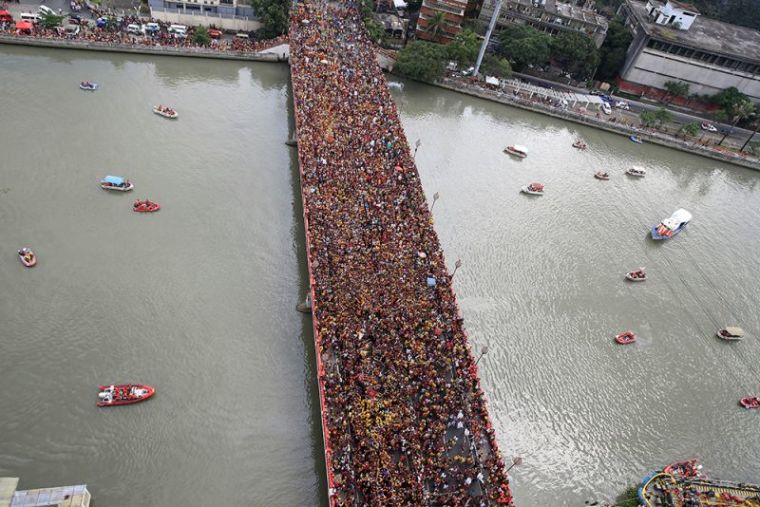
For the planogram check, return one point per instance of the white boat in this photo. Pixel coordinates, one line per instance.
(517, 150)
(636, 276)
(672, 225)
(116, 183)
(166, 112)
(88, 86)
(396, 85)
(639, 172)
(533, 189)
(731, 333)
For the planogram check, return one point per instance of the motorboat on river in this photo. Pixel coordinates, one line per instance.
(731, 333)
(689, 468)
(625, 338)
(636, 139)
(166, 112)
(580, 145)
(124, 394)
(750, 402)
(636, 276)
(116, 183)
(516, 150)
(533, 189)
(636, 171)
(146, 206)
(602, 175)
(672, 225)
(27, 257)
(88, 86)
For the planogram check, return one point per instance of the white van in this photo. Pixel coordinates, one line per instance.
(134, 29)
(44, 10)
(180, 30)
(151, 28)
(29, 16)
(606, 109)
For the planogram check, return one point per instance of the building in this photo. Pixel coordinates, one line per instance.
(64, 496)
(453, 16)
(673, 42)
(223, 14)
(548, 16)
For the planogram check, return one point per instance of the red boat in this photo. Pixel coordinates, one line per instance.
(124, 394)
(146, 206)
(750, 402)
(602, 175)
(625, 338)
(685, 468)
(27, 257)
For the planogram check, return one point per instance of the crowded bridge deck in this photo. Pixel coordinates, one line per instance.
(404, 419)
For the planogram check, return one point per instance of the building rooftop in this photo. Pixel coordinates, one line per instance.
(568, 11)
(684, 5)
(705, 33)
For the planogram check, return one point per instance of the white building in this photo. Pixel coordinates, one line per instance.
(673, 42)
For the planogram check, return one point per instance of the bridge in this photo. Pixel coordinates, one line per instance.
(404, 420)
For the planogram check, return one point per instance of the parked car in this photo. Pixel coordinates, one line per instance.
(178, 30)
(621, 104)
(134, 29)
(44, 10)
(214, 33)
(151, 28)
(71, 30)
(708, 127)
(74, 19)
(606, 109)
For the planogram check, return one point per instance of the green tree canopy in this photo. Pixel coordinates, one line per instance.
(576, 53)
(523, 45)
(422, 60)
(496, 66)
(689, 129)
(729, 98)
(273, 15)
(676, 89)
(51, 20)
(464, 48)
(436, 23)
(612, 53)
(201, 36)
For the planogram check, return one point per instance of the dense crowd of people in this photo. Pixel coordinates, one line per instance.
(118, 35)
(405, 420)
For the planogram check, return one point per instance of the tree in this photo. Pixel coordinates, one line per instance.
(524, 45)
(51, 20)
(201, 36)
(676, 89)
(496, 66)
(273, 15)
(436, 23)
(422, 60)
(613, 51)
(576, 53)
(655, 118)
(728, 99)
(737, 112)
(663, 116)
(375, 30)
(689, 130)
(648, 118)
(464, 48)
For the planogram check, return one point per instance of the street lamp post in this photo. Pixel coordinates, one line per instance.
(757, 126)
(491, 26)
(516, 461)
(483, 352)
(457, 265)
(435, 198)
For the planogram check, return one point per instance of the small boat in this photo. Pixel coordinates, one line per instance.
(636, 276)
(636, 171)
(684, 468)
(124, 394)
(533, 189)
(580, 145)
(166, 112)
(27, 257)
(636, 139)
(116, 183)
(625, 338)
(88, 86)
(517, 150)
(731, 333)
(146, 206)
(602, 175)
(395, 85)
(750, 402)
(671, 226)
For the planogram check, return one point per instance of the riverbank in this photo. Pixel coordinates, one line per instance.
(589, 119)
(265, 55)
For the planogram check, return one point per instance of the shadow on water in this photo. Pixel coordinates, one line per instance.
(307, 334)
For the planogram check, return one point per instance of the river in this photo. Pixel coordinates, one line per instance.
(198, 299)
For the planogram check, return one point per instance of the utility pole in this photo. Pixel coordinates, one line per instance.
(491, 26)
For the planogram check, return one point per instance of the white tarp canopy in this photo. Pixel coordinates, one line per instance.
(492, 80)
(572, 98)
(400, 4)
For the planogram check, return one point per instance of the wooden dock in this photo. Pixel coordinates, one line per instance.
(62, 496)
